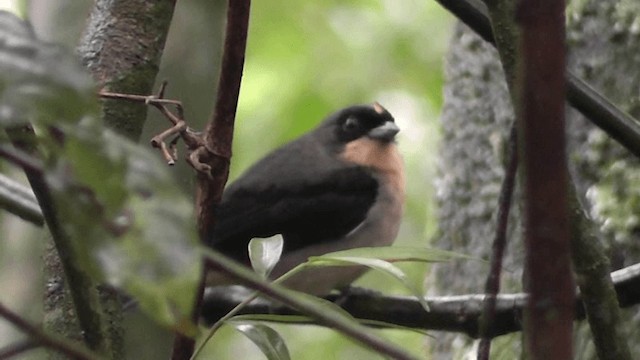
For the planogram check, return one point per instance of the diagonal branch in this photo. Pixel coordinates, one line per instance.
(596, 108)
(19, 200)
(61, 345)
(17, 348)
(591, 264)
(82, 287)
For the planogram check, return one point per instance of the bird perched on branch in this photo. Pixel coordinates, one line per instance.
(338, 187)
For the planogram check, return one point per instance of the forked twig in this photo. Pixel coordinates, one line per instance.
(192, 139)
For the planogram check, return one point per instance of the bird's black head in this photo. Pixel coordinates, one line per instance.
(372, 121)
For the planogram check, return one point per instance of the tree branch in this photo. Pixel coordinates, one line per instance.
(459, 313)
(592, 267)
(541, 124)
(17, 348)
(20, 158)
(19, 200)
(492, 287)
(61, 345)
(217, 148)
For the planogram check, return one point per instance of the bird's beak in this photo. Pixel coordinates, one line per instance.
(385, 132)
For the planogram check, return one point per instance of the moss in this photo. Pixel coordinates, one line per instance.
(124, 117)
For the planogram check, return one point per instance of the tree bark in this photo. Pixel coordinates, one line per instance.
(124, 56)
(475, 122)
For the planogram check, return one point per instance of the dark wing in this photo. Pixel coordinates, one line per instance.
(286, 194)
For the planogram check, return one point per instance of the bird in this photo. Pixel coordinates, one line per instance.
(337, 187)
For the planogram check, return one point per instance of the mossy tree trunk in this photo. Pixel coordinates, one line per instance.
(122, 56)
(605, 51)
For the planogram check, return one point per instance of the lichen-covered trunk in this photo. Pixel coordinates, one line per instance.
(605, 51)
(121, 48)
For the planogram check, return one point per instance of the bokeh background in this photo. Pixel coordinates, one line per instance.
(305, 59)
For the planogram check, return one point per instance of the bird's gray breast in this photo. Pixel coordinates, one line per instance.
(379, 228)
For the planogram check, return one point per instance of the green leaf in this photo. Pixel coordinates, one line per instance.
(268, 340)
(142, 227)
(40, 82)
(301, 319)
(387, 325)
(128, 222)
(401, 254)
(265, 254)
(310, 300)
(372, 263)
(326, 305)
(276, 318)
(327, 308)
(377, 264)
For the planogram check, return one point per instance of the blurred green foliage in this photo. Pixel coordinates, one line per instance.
(305, 59)
(121, 217)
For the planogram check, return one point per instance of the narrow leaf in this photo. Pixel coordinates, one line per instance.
(265, 338)
(402, 254)
(375, 264)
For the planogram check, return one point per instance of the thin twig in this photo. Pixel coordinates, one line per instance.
(492, 287)
(17, 348)
(162, 88)
(191, 138)
(195, 160)
(146, 99)
(215, 153)
(59, 344)
(173, 149)
(158, 141)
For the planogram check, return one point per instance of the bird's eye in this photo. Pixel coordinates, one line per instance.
(351, 124)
